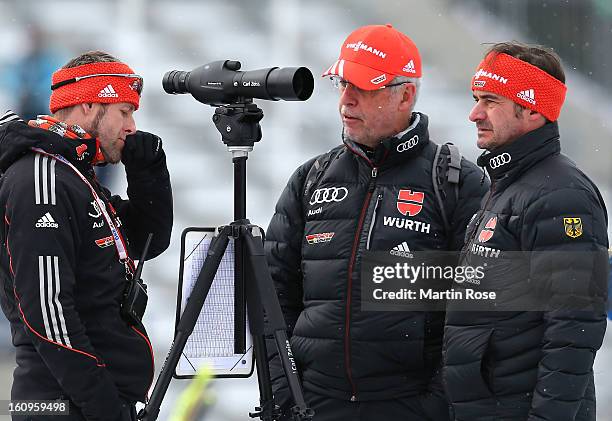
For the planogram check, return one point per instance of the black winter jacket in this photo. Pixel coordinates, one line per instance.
(62, 281)
(314, 246)
(530, 365)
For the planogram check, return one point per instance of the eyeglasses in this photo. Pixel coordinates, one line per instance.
(342, 84)
(137, 85)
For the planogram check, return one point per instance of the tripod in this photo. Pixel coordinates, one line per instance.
(239, 126)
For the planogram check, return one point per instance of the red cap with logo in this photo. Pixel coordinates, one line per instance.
(373, 55)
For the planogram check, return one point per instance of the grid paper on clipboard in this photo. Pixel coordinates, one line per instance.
(211, 344)
(213, 334)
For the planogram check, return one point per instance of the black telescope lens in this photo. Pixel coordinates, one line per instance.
(175, 82)
(303, 83)
(290, 83)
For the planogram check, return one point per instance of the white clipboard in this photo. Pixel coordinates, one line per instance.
(212, 340)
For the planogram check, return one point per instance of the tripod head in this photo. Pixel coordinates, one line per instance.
(239, 126)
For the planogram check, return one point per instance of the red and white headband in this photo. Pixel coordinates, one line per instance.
(521, 82)
(104, 82)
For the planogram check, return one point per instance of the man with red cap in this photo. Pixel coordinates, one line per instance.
(540, 236)
(69, 244)
(388, 189)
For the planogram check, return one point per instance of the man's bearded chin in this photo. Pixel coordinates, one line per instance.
(106, 157)
(346, 137)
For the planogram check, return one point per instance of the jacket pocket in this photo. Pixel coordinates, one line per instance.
(464, 355)
(487, 369)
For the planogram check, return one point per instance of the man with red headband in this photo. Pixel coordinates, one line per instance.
(540, 236)
(378, 191)
(69, 244)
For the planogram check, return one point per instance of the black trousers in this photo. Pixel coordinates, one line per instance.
(415, 408)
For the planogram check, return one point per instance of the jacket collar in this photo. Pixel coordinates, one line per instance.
(17, 138)
(402, 147)
(508, 162)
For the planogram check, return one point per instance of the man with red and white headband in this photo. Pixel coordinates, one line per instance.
(380, 191)
(541, 237)
(69, 245)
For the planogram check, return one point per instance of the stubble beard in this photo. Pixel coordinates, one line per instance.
(365, 141)
(109, 156)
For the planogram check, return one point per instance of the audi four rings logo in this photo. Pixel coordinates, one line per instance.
(409, 144)
(328, 195)
(499, 160)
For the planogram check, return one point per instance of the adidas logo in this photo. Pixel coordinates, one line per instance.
(409, 68)
(46, 221)
(527, 95)
(402, 250)
(108, 92)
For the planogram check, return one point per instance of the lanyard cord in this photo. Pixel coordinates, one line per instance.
(117, 237)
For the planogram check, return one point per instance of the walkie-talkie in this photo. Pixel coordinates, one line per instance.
(135, 294)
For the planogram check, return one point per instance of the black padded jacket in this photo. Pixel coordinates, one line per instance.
(314, 246)
(62, 281)
(542, 230)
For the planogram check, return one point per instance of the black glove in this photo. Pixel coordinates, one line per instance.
(142, 150)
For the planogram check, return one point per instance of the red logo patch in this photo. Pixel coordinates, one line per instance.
(323, 237)
(410, 203)
(486, 234)
(105, 242)
(80, 150)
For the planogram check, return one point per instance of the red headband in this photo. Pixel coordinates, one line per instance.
(72, 86)
(521, 82)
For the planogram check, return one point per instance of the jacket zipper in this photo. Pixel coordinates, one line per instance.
(347, 326)
(373, 221)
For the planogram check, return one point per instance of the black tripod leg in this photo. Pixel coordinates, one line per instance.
(266, 410)
(187, 322)
(276, 323)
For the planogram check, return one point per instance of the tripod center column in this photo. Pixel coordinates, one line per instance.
(239, 159)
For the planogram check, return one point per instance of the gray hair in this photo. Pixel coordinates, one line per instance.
(416, 81)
